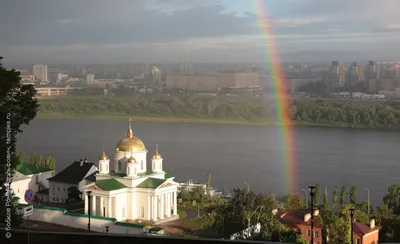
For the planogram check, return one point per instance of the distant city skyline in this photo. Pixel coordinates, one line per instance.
(226, 31)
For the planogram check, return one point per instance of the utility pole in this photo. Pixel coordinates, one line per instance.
(312, 189)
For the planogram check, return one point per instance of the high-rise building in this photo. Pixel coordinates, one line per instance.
(40, 72)
(90, 79)
(156, 75)
(61, 77)
(356, 73)
(336, 75)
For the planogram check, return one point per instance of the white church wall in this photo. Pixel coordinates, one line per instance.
(124, 156)
(62, 217)
(121, 206)
(142, 202)
(141, 159)
(129, 203)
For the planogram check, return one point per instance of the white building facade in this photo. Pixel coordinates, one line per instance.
(127, 190)
(40, 72)
(32, 177)
(70, 182)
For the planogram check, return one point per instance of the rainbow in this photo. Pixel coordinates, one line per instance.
(286, 134)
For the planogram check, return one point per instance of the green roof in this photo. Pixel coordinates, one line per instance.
(110, 184)
(30, 169)
(148, 172)
(152, 183)
(113, 173)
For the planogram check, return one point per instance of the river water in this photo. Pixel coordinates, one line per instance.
(234, 154)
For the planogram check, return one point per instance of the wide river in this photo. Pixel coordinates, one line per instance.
(235, 154)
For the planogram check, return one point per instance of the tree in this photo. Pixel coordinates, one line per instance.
(37, 160)
(392, 198)
(247, 209)
(353, 195)
(317, 196)
(336, 226)
(335, 197)
(326, 199)
(343, 196)
(208, 185)
(198, 196)
(293, 201)
(18, 106)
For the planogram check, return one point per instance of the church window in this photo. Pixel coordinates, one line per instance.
(100, 167)
(128, 170)
(123, 212)
(119, 165)
(142, 212)
(141, 164)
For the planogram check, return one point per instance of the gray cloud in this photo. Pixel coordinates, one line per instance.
(131, 30)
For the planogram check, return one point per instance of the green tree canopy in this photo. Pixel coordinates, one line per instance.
(392, 198)
(18, 106)
(353, 195)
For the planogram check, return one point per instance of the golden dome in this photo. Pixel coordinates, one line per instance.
(130, 143)
(131, 160)
(103, 155)
(157, 154)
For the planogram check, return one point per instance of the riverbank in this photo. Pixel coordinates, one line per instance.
(149, 118)
(125, 117)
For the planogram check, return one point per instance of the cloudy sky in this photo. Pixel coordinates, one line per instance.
(105, 31)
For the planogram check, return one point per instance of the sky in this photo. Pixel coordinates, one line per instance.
(120, 31)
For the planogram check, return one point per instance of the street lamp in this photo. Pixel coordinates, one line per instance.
(89, 207)
(248, 186)
(352, 211)
(306, 193)
(312, 189)
(368, 199)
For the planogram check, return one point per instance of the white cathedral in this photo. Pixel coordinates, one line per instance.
(130, 191)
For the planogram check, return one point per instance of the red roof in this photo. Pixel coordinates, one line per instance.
(363, 229)
(297, 218)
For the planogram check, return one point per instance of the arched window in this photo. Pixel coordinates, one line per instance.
(141, 165)
(127, 169)
(100, 167)
(119, 165)
(142, 212)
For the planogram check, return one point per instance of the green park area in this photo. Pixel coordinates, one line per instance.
(222, 109)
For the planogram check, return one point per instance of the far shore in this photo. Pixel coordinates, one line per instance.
(190, 120)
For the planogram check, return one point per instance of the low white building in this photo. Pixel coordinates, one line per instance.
(30, 176)
(70, 182)
(127, 190)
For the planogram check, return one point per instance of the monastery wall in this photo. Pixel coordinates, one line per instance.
(63, 217)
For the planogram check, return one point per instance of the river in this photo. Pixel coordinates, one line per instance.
(234, 154)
